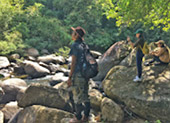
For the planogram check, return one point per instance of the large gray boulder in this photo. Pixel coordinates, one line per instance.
(4, 62)
(53, 67)
(1, 92)
(113, 56)
(95, 99)
(32, 52)
(45, 52)
(130, 60)
(62, 85)
(18, 69)
(12, 88)
(51, 58)
(6, 73)
(57, 78)
(34, 70)
(149, 99)
(45, 96)
(111, 112)
(136, 120)
(14, 57)
(9, 110)
(1, 117)
(95, 54)
(41, 114)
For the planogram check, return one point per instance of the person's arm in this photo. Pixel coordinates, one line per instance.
(160, 52)
(73, 63)
(131, 44)
(154, 51)
(137, 43)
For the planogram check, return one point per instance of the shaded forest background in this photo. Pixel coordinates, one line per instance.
(45, 24)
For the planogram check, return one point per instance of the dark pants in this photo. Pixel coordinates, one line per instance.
(139, 57)
(82, 107)
(156, 58)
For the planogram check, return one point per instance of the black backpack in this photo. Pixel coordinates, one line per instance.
(89, 66)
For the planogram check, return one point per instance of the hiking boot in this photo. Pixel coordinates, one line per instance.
(84, 119)
(137, 79)
(147, 64)
(74, 120)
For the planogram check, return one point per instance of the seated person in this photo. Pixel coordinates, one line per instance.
(161, 54)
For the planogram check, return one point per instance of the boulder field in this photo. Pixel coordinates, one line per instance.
(114, 97)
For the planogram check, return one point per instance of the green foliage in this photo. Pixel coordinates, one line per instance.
(45, 24)
(64, 51)
(102, 38)
(100, 32)
(46, 34)
(129, 12)
(23, 27)
(157, 121)
(6, 47)
(12, 42)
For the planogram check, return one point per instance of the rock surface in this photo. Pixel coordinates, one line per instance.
(111, 112)
(62, 85)
(113, 56)
(95, 99)
(1, 117)
(9, 110)
(130, 60)
(14, 57)
(4, 62)
(149, 99)
(95, 53)
(12, 87)
(45, 96)
(1, 93)
(57, 78)
(41, 114)
(32, 52)
(34, 70)
(51, 58)
(136, 120)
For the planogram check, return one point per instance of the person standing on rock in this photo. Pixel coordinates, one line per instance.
(139, 54)
(78, 84)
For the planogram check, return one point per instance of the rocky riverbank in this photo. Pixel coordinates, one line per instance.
(34, 89)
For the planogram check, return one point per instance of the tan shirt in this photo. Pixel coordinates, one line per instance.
(163, 54)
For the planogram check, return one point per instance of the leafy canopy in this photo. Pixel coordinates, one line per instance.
(156, 12)
(45, 24)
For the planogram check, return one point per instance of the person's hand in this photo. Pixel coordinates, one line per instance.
(151, 53)
(69, 82)
(128, 39)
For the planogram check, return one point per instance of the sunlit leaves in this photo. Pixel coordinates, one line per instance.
(23, 25)
(133, 11)
(34, 10)
(6, 47)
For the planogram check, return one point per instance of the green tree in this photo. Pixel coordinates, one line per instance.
(129, 12)
(23, 26)
(10, 40)
(46, 23)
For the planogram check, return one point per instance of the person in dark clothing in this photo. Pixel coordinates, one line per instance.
(78, 83)
(139, 54)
